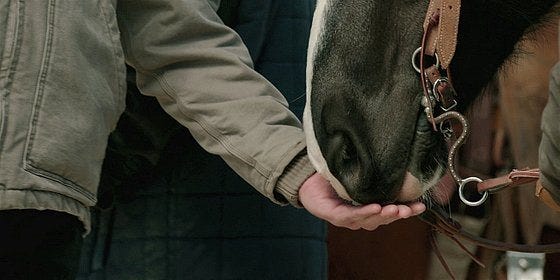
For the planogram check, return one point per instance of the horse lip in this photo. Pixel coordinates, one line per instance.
(411, 188)
(417, 180)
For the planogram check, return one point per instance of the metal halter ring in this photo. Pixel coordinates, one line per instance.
(462, 184)
(415, 54)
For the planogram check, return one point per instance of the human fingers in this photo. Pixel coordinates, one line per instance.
(388, 214)
(318, 197)
(351, 216)
(357, 218)
(417, 208)
(392, 213)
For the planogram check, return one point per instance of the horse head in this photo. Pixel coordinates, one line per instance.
(366, 131)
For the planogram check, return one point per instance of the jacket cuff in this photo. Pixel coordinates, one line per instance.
(295, 174)
(548, 195)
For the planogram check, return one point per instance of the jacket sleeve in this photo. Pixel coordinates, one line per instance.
(549, 149)
(201, 74)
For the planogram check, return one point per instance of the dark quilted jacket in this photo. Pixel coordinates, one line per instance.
(172, 211)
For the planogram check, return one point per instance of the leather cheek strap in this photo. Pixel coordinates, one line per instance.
(546, 197)
(443, 39)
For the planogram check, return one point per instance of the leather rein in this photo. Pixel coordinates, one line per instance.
(439, 41)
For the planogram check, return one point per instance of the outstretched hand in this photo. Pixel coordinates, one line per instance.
(320, 199)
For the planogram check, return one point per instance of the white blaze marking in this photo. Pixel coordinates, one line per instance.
(313, 150)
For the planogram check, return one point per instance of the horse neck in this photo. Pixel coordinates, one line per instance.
(488, 34)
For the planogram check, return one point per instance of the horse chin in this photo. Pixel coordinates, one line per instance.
(414, 188)
(425, 166)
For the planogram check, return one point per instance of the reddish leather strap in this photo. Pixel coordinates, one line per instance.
(443, 39)
(514, 178)
(443, 89)
(443, 223)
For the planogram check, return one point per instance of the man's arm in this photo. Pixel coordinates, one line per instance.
(201, 73)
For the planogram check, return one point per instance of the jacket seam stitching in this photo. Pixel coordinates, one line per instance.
(116, 54)
(19, 22)
(60, 179)
(40, 83)
(27, 161)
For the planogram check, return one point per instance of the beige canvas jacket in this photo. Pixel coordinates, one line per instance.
(549, 149)
(62, 85)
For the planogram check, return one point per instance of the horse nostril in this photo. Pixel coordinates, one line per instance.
(343, 159)
(349, 160)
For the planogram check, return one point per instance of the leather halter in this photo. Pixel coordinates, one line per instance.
(441, 27)
(439, 41)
